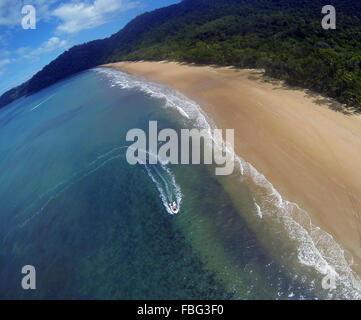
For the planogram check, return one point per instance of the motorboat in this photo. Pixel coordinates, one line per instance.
(174, 207)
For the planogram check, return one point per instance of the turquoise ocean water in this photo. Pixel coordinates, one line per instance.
(96, 227)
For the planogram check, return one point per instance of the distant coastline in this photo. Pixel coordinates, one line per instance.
(310, 153)
(292, 46)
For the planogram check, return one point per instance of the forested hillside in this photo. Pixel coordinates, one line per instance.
(284, 37)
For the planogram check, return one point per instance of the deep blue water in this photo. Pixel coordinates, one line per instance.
(96, 227)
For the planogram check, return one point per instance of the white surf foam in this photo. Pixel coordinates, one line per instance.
(316, 248)
(172, 98)
(258, 208)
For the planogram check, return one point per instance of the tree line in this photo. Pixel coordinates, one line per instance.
(284, 37)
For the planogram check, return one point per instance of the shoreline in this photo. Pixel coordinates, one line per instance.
(310, 153)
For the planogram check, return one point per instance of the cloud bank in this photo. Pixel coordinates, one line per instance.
(77, 16)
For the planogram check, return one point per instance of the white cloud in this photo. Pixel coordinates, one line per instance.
(4, 62)
(4, 53)
(53, 44)
(77, 16)
(10, 11)
(74, 15)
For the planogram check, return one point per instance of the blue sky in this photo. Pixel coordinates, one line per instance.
(60, 24)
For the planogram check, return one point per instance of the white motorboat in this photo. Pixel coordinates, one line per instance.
(174, 207)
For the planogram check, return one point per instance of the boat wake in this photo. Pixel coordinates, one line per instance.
(169, 190)
(160, 174)
(164, 180)
(47, 197)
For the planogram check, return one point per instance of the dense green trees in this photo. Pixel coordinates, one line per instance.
(283, 36)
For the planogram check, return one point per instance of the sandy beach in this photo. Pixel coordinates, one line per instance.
(308, 151)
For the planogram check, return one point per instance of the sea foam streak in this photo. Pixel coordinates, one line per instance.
(316, 248)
